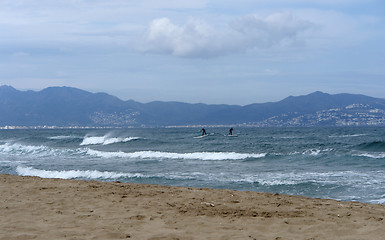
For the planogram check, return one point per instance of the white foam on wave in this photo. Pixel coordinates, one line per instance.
(263, 179)
(379, 155)
(349, 177)
(69, 174)
(346, 136)
(170, 155)
(19, 149)
(355, 179)
(63, 137)
(312, 152)
(309, 152)
(315, 152)
(95, 174)
(267, 179)
(294, 178)
(378, 201)
(105, 140)
(23, 149)
(290, 137)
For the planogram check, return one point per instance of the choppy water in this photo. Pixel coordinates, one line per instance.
(339, 163)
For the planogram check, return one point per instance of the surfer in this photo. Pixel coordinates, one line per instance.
(203, 131)
(231, 131)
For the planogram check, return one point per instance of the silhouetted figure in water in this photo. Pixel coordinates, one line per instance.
(231, 131)
(203, 131)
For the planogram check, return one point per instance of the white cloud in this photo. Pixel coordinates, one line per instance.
(272, 30)
(194, 39)
(198, 39)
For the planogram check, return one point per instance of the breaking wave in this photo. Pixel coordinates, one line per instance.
(24, 150)
(105, 140)
(70, 174)
(265, 179)
(95, 174)
(371, 155)
(170, 155)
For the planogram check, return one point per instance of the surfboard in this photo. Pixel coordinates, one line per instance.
(234, 135)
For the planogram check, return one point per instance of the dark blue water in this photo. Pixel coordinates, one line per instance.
(339, 163)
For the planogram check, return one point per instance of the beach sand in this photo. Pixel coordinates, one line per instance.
(36, 208)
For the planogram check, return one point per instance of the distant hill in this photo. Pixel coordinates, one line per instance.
(66, 107)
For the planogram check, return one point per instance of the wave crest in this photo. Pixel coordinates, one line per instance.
(375, 146)
(105, 140)
(170, 155)
(70, 174)
(23, 149)
(371, 155)
(94, 174)
(41, 151)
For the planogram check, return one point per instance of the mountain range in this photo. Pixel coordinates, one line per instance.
(72, 107)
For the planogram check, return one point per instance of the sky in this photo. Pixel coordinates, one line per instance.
(201, 51)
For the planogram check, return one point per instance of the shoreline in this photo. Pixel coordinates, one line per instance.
(40, 208)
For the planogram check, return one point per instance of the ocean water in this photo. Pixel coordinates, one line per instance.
(345, 164)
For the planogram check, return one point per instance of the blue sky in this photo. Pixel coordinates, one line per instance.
(209, 51)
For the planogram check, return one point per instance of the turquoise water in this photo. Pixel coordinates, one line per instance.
(340, 163)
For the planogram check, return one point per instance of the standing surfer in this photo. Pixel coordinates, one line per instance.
(231, 131)
(203, 131)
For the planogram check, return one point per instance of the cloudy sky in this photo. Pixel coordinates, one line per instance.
(209, 51)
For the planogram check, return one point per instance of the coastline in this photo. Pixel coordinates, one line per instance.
(36, 208)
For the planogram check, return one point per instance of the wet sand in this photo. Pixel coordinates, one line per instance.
(36, 208)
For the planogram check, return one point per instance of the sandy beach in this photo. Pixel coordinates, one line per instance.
(36, 208)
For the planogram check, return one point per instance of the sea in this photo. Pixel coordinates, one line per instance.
(342, 163)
